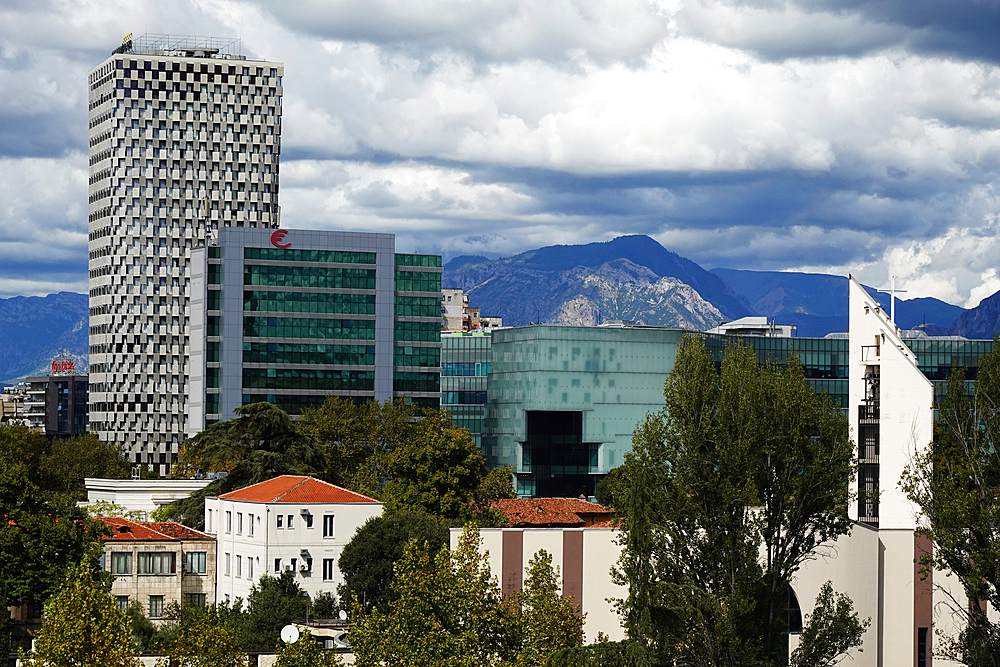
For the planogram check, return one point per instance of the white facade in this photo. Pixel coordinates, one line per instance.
(184, 139)
(141, 495)
(257, 537)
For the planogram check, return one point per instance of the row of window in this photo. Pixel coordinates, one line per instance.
(312, 276)
(468, 369)
(417, 331)
(156, 603)
(429, 357)
(418, 281)
(293, 378)
(417, 306)
(309, 353)
(286, 521)
(463, 398)
(412, 381)
(296, 255)
(158, 562)
(306, 302)
(295, 327)
(418, 260)
(293, 565)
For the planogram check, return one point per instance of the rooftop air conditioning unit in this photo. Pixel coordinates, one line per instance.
(303, 568)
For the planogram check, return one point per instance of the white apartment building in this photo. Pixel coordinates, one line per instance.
(184, 139)
(289, 523)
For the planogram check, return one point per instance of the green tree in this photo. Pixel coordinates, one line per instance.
(607, 488)
(305, 653)
(272, 604)
(367, 561)
(83, 626)
(210, 641)
(262, 443)
(41, 537)
(546, 621)
(438, 472)
(359, 440)
(730, 488)
(448, 612)
(830, 631)
(956, 484)
(69, 461)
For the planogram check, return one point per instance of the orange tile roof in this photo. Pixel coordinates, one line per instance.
(554, 512)
(296, 489)
(125, 529)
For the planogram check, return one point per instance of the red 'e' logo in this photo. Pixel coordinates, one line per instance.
(277, 236)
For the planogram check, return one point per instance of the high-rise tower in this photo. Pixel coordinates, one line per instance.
(184, 139)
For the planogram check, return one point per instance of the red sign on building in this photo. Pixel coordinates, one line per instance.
(62, 365)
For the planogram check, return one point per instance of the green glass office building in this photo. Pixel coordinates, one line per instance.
(563, 402)
(293, 316)
(465, 366)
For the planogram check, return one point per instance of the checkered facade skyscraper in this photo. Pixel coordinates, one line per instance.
(184, 139)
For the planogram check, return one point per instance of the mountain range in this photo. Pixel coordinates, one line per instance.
(630, 278)
(635, 278)
(35, 329)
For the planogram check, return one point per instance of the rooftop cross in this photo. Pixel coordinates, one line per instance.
(892, 291)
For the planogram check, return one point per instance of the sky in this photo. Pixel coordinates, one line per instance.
(859, 136)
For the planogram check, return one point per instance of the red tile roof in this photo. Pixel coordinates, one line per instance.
(125, 529)
(554, 512)
(296, 489)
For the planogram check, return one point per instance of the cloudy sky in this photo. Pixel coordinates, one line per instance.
(856, 136)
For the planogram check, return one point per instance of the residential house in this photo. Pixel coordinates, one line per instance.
(157, 563)
(291, 523)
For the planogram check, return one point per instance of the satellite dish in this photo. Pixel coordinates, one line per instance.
(343, 615)
(289, 634)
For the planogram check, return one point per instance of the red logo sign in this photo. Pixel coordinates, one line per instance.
(277, 236)
(62, 365)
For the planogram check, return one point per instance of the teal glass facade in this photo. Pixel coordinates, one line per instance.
(465, 367)
(563, 402)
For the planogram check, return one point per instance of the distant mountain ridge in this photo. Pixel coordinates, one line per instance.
(631, 277)
(817, 303)
(35, 329)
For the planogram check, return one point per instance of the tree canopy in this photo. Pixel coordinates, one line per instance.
(367, 560)
(956, 484)
(42, 533)
(448, 610)
(83, 626)
(736, 482)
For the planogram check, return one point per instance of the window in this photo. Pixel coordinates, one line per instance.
(197, 562)
(121, 563)
(290, 520)
(194, 599)
(239, 523)
(327, 569)
(121, 602)
(227, 565)
(308, 564)
(280, 519)
(155, 606)
(308, 519)
(249, 567)
(229, 522)
(277, 565)
(208, 522)
(293, 565)
(157, 562)
(328, 525)
(250, 527)
(239, 566)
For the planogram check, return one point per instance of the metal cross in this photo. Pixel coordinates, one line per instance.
(892, 291)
